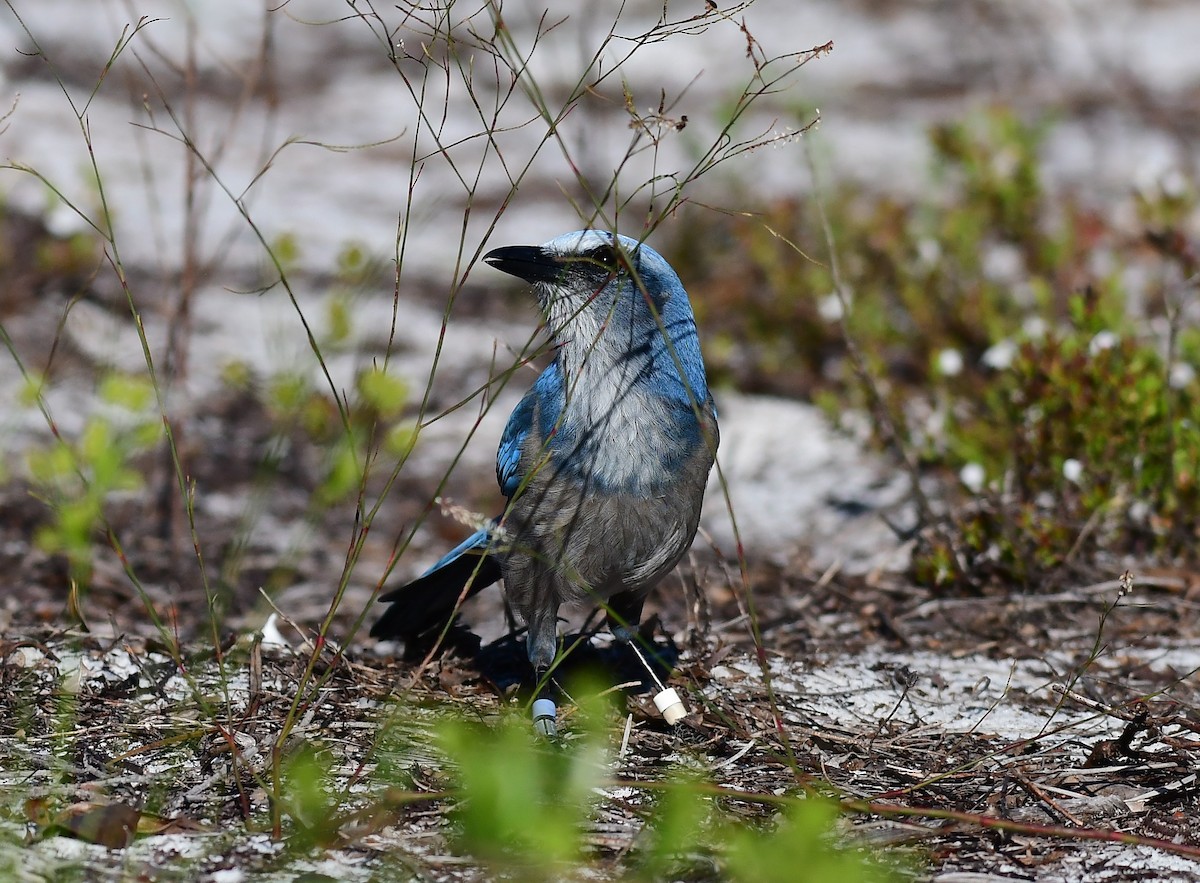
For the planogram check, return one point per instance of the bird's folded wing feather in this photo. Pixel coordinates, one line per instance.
(512, 442)
(540, 405)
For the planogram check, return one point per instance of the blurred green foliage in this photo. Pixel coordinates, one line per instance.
(1009, 330)
(524, 805)
(78, 474)
(371, 419)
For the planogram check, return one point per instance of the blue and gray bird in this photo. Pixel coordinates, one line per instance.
(604, 460)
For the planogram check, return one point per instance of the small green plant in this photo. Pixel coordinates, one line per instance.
(310, 798)
(1083, 444)
(78, 477)
(799, 849)
(525, 802)
(524, 805)
(918, 278)
(686, 830)
(376, 423)
(997, 327)
(681, 828)
(370, 420)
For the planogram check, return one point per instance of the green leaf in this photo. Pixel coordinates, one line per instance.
(384, 393)
(800, 849)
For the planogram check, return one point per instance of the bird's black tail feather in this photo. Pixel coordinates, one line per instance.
(426, 604)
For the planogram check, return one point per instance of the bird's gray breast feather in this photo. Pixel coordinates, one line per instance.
(571, 536)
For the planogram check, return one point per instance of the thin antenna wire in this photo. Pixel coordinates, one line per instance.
(646, 665)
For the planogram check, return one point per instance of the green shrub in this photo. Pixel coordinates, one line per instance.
(995, 322)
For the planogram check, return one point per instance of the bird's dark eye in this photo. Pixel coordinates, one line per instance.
(607, 256)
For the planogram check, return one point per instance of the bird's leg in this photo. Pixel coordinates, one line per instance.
(624, 614)
(542, 644)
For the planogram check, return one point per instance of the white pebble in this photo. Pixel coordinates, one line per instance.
(972, 476)
(949, 363)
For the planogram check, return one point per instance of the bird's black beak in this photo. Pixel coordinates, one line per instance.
(528, 262)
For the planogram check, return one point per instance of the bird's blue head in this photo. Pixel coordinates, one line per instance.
(609, 297)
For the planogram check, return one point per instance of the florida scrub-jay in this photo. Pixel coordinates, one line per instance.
(604, 460)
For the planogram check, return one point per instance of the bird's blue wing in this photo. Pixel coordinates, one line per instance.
(512, 442)
(542, 403)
